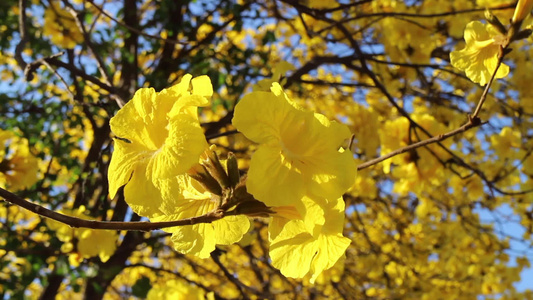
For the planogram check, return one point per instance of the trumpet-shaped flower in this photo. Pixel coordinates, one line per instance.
(479, 58)
(297, 251)
(191, 201)
(298, 150)
(159, 137)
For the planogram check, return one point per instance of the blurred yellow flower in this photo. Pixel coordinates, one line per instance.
(176, 289)
(60, 26)
(18, 167)
(91, 242)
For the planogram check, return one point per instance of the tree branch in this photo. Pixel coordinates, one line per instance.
(472, 122)
(81, 223)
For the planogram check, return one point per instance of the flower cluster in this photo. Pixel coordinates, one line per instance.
(301, 171)
(158, 140)
(297, 176)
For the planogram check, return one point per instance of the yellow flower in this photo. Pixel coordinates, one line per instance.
(18, 167)
(60, 27)
(159, 137)
(522, 10)
(297, 251)
(507, 143)
(298, 150)
(101, 243)
(480, 56)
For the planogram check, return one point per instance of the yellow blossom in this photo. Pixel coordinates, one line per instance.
(480, 56)
(298, 150)
(159, 137)
(297, 251)
(91, 242)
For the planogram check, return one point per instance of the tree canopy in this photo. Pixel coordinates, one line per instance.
(283, 149)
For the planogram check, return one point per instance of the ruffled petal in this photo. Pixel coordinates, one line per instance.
(230, 229)
(297, 252)
(182, 148)
(140, 192)
(124, 161)
(259, 114)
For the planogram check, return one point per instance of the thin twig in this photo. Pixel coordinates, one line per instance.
(23, 35)
(487, 87)
(60, 78)
(438, 138)
(99, 61)
(53, 60)
(133, 29)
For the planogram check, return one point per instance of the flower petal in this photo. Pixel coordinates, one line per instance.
(182, 147)
(273, 179)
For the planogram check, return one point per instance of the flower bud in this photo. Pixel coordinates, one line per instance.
(210, 160)
(199, 173)
(233, 170)
(253, 208)
(523, 8)
(494, 21)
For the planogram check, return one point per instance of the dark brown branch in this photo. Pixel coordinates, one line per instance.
(81, 223)
(53, 60)
(23, 35)
(99, 61)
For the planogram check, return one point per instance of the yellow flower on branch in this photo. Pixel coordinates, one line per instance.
(479, 58)
(159, 137)
(301, 172)
(298, 150)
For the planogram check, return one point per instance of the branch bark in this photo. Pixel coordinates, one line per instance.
(81, 223)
